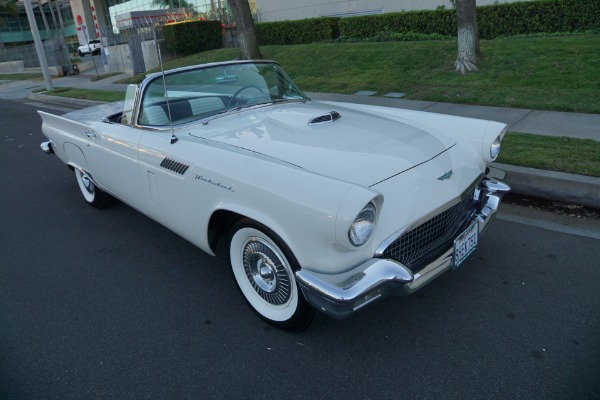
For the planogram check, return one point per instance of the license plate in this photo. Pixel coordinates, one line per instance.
(465, 244)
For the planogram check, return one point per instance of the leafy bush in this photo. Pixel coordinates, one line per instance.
(496, 20)
(297, 32)
(189, 37)
(538, 16)
(442, 22)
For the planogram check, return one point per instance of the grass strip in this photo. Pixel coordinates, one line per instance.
(87, 94)
(561, 154)
(20, 76)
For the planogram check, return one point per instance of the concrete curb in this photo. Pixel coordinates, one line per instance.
(550, 185)
(65, 101)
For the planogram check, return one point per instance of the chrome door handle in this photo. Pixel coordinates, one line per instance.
(90, 134)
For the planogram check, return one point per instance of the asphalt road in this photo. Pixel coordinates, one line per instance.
(110, 305)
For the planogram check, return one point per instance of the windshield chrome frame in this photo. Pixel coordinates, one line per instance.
(142, 87)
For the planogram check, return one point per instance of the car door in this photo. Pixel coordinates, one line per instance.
(112, 153)
(175, 197)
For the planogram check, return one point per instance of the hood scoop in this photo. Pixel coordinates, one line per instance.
(330, 117)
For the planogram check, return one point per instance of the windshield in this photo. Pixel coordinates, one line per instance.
(204, 92)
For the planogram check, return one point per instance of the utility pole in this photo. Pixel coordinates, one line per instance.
(38, 44)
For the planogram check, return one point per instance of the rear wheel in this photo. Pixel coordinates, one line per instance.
(263, 268)
(94, 196)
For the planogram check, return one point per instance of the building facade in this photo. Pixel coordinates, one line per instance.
(279, 10)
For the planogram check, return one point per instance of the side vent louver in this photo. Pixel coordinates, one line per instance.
(174, 166)
(325, 118)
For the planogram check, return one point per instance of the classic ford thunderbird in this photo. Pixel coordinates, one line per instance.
(324, 206)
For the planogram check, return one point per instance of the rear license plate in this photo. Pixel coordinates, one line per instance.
(465, 244)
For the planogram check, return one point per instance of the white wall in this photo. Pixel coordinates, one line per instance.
(278, 10)
(119, 59)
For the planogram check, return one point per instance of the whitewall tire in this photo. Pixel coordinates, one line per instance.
(94, 196)
(263, 268)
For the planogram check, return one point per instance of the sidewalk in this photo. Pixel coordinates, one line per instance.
(548, 185)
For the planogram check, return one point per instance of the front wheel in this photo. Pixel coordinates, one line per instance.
(263, 268)
(92, 195)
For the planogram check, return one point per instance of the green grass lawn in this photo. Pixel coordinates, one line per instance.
(544, 73)
(563, 154)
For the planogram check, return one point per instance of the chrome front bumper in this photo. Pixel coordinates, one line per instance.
(340, 296)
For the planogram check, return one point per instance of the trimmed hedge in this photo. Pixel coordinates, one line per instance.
(537, 17)
(426, 22)
(296, 32)
(191, 37)
(496, 20)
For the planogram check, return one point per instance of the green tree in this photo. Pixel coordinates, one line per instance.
(174, 4)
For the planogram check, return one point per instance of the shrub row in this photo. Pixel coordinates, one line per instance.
(538, 16)
(191, 37)
(297, 32)
(496, 20)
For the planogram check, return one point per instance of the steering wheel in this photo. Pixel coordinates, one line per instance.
(240, 90)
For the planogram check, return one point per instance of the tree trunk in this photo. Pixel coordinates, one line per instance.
(468, 36)
(245, 28)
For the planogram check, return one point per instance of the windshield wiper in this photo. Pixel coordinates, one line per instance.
(220, 114)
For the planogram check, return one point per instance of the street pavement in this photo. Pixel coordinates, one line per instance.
(109, 304)
(549, 185)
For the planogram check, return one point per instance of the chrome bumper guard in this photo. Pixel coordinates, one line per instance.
(340, 296)
(47, 147)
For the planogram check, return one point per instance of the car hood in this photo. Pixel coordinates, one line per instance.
(358, 147)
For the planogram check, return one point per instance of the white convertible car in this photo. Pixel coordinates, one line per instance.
(324, 206)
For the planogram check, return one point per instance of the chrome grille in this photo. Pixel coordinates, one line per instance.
(423, 244)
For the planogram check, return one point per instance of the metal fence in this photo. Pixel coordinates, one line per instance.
(56, 52)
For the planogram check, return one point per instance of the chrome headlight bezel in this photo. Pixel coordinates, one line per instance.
(363, 226)
(495, 147)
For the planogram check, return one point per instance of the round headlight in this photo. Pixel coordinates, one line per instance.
(495, 148)
(363, 225)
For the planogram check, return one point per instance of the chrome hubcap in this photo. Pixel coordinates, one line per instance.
(266, 272)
